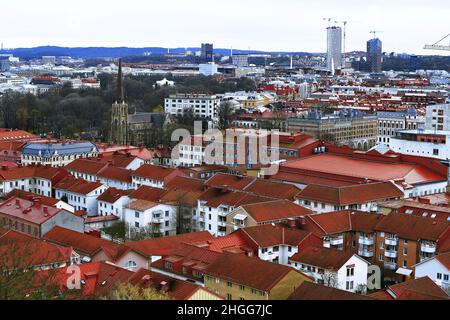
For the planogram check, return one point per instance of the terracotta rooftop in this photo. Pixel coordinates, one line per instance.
(229, 181)
(111, 195)
(275, 210)
(313, 291)
(329, 259)
(417, 289)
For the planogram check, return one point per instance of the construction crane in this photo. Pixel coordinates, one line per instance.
(437, 46)
(344, 23)
(375, 33)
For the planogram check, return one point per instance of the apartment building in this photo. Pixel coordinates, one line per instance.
(154, 176)
(253, 279)
(438, 117)
(437, 269)
(389, 123)
(343, 270)
(404, 240)
(202, 105)
(362, 197)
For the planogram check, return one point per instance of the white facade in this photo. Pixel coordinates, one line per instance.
(433, 148)
(208, 69)
(213, 220)
(141, 181)
(87, 202)
(349, 277)
(115, 209)
(435, 270)
(334, 48)
(161, 217)
(321, 207)
(205, 106)
(389, 123)
(277, 254)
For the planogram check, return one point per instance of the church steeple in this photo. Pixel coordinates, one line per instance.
(120, 97)
(119, 113)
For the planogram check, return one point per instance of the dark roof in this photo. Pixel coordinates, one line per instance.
(313, 291)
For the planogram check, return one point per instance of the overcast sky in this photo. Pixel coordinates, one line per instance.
(275, 25)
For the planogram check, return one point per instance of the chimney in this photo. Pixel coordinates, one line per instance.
(17, 202)
(45, 211)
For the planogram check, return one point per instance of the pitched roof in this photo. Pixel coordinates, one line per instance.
(27, 210)
(313, 291)
(111, 195)
(153, 172)
(18, 250)
(330, 259)
(416, 289)
(229, 181)
(86, 244)
(444, 258)
(273, 189)
(164, 245)
(141, 205)
(32, 197)
(82, 186)
(215, 197)
(147, 193)
(87, 166)
(274, 210)
(114, 173)
(412, 227)
(267, 235)
(355, 194)
(248, 271)
(177, 289)
(342, 221)
(185, 183)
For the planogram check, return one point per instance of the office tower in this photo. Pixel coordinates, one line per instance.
(374, 53)
(334, 48)
(207, 52)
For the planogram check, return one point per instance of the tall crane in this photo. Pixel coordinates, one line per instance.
(437, 46)
(344, 23)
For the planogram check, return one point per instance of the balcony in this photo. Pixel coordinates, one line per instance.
(391, 241)
(222, 223)
(335, 241)
(428, 248)
(390, 265)
(391, 254)
(157, 220)
(366, 241)
(365, 253)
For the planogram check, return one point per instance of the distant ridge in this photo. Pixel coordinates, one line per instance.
(115, 52)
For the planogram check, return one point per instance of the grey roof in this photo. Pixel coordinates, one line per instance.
(155, 118)
(48, 150)
(397, 114)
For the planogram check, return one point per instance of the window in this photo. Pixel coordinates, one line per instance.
(130, 265)
(136, 224)
(136, 214)
(349, 285)
(445, 277)
(229, 297)
(439, 276)
(242, 288)
(350, 272)
(405, 251)
(229, 284)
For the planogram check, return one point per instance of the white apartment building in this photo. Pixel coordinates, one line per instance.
(112, 202)
(82, 195)
(158, 219)
(203, 105)
(424, 143)
(348, 271)
(437, 269)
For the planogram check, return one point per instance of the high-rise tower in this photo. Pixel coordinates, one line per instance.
(119, 113)
(334, 48)
(374, 54)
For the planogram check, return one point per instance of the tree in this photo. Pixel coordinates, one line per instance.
(127, 291)
(117, 231)
(330, 279)
(361, 289)
(183, 215)
(225, 113)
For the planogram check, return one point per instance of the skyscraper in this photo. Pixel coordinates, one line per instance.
(374, 53)
(207, 52)
(334, 48)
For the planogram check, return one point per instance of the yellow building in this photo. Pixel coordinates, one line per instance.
(238, 277)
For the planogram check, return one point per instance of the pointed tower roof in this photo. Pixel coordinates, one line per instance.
(120, 96)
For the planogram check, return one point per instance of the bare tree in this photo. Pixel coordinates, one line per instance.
(330, 279)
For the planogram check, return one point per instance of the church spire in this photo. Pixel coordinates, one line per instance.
(120, 98)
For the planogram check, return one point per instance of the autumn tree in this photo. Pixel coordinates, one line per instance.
(127, 291)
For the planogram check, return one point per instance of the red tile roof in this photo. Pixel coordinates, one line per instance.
(313, 291)
(229, 181)
(147, 193)
(342, 221)
(18, 250)
(164, 245)
(275, 210)
(215, 197)
(185, 183)
(82, 186)
(356, 194)
(154, 172)
(329, 259)
(273, 189)
(444, 258)
(141, 205)
(342, 166)
(118, 174)
(27, 210)
(86, 244)
(87, 166)
(111, 195)
(32, 197)
(268, 235)
(417, 289)
(413, 228)
(15, 135)
(251, 272)
(177, 289)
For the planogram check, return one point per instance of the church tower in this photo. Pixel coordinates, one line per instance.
(119, 114)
